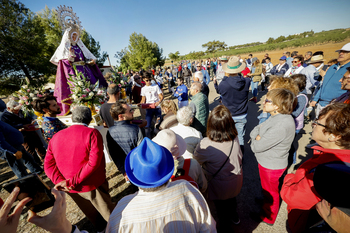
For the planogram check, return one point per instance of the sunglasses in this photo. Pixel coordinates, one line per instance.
(314, 123)
(147, 80)
(268, 101)
(295, 61)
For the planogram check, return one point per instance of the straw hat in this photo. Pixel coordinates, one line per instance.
(173, 142)
(315, 59)
(223, 58)
(233, 66)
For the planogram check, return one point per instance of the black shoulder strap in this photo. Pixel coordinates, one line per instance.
(225, 161)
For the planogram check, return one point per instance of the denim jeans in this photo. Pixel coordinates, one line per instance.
(240, 126)
(295, 146)
(19, 166)
(149, 116)
(254, 86)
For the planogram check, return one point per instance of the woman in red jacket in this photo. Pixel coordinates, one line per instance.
(331, 131)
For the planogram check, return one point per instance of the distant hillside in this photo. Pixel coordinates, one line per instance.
(292, 41)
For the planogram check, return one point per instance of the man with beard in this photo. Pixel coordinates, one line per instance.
(123, 136)
(51, 124)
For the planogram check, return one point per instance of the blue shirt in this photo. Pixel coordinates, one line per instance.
(182, 89)
(331, 87)
(206, 77)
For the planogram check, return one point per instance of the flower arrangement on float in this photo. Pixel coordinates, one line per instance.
(85, 93)
(26, 95)
(119, 79)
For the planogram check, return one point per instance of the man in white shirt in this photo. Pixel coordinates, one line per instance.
(153, 96)
(160, 205)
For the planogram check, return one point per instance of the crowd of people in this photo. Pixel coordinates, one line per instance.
(185, 161)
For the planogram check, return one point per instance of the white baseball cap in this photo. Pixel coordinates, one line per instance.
(346, 47)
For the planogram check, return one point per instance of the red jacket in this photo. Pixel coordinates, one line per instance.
(298, 189)
(76, 154)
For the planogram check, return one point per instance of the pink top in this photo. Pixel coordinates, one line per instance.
(76, 154)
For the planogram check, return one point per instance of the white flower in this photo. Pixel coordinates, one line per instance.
(80, 83)
(91, 94)
(31, 95)
(77, 89)
(121, 82)
(74, 96)
(21, 101)
(36, 92)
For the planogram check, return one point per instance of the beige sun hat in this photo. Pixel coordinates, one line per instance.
(315, 59)
(223, 58)
(233, 66)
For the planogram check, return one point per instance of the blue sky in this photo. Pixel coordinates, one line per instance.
(185, 25)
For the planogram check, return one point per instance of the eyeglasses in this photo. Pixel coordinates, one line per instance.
(267, 101)
(314, 123)
(346, 78)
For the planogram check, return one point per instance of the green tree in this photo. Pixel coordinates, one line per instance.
(49, 21)
(215, 45)
(174, 56)
(280, 39)
(270, 41)
(23, 44)
(121, 59)
(143, 53)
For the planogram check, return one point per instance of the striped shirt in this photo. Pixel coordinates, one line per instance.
(178, 207)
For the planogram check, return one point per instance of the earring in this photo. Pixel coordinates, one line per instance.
(329, 140)
(274, 111)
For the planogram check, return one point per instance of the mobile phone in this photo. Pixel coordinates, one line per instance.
(34, 187)
(324, 68)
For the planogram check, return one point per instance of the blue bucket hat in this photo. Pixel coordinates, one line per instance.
(149, 165)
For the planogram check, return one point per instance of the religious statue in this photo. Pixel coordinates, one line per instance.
(72, 52)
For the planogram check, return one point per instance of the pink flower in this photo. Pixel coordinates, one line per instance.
(87, 89)
(38, 95)
(83, 96)
(27, 103)
(28, 90)
(119, 85)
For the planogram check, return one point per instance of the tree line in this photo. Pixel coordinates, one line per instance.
(281, 42)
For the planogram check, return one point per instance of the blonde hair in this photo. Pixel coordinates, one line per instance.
(284, 99)
(170, 105)
(286, 83)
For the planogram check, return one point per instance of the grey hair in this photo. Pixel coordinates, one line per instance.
(149, 190)
(81, 114)
(113, 89)
(199, 75)
(12, 104)
(185, 115)
(309, 52)
(197, 86)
